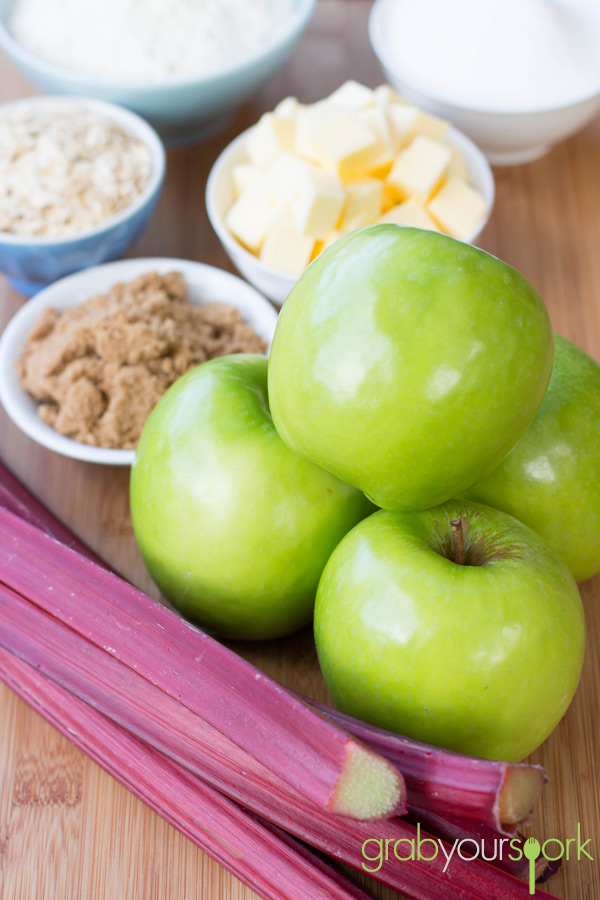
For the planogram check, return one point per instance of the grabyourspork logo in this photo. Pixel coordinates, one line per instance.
(376, 851)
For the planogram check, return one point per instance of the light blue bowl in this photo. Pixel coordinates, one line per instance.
(183, 111)
(33, 263)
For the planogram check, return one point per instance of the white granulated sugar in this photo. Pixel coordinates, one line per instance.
(146, 40)
(65, 169)
(498, 54)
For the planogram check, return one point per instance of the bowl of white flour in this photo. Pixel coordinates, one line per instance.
(516, 76)
(184, 65)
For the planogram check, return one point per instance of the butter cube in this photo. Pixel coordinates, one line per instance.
(331, 239)
(348, 145)
(409, 213)
(458, 208)
(430, 126)
(351, 96)
(242, 176)
(377, 120)
(252, 213)
(420, 168)
(406, 122)
(271, 136)
(287, 108)
(317, 202)
(389, 197)
(285, 248)
(319, 246)
(384, 95)
(401, 119)
(283, 176)
(363, 204)
(458, 166)
(308, 121)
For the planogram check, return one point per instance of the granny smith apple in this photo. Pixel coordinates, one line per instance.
(456, 626)
(408, 364)
(551, 479)
(233, 527)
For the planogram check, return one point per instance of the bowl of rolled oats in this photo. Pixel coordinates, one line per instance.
(79, 180)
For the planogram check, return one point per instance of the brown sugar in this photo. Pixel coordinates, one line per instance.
(97, 370)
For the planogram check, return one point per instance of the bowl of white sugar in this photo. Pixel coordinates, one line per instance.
(184, 66)
(517, 76)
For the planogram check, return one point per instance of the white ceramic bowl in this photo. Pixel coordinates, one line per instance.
(183, 110)
(204, 283)
(32, 263)
(272, 282)
(507, 137)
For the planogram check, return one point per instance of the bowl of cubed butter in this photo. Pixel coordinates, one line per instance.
(284, 190)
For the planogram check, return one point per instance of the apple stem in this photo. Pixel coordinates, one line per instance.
(459, 541)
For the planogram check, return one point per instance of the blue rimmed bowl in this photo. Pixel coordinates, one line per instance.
(32, 263)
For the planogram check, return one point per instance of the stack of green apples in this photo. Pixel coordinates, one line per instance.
(413, 373)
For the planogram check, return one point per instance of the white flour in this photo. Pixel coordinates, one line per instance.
(499, 54)
(146, 40)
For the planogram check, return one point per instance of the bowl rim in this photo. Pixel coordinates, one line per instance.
(233, 246)
(74, 289)
(386, 59)
(298, 19)
(137, 127)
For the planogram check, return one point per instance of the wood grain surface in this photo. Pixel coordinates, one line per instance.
(67, 830)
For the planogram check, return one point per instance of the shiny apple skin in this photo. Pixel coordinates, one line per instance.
(551, 479)
(408, 364)
(233, 527)
(481, 659)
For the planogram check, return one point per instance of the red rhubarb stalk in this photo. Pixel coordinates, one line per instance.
(192, 743)
(498, 794)
(269, 861)
(17, 499)
(99, 679)
(318, 758)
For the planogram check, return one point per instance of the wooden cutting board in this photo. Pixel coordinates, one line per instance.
(67, 830)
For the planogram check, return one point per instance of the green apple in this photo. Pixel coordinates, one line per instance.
(456, 626)
(408, 364)
(234, 528)
(551, 479)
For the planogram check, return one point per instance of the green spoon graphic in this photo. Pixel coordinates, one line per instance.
(531, 850)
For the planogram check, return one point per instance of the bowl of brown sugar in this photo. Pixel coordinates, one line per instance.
(83, 364)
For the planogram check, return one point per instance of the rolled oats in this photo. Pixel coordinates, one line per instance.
(65, 169)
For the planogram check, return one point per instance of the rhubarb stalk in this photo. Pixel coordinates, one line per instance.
(15, 497)
(270, 862)
(312, 754)
(500, 795)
